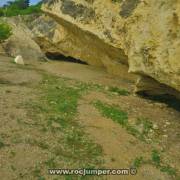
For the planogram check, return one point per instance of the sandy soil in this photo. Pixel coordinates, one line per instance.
(119, 147)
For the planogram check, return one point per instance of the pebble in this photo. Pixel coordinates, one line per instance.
(19, 60)
(167, 123)
(52, 102)
(155, 126)
(106, 88)
(55, 125)
(165, 136)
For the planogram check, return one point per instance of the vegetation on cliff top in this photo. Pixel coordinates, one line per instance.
(5, 31)
(19, 7)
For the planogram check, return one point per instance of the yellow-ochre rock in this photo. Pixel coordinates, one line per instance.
(142, 36)
(21, 41)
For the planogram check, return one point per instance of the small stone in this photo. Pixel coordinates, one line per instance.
(167, 123)
(19, 60)
(155, 126)
(52, 102)
(165, 136)
(55, 125)
(106, 88)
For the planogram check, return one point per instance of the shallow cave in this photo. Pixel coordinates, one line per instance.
(60, 57)
(168, 99)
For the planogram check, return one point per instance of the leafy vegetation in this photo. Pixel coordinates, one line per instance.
(138, 162)
(1, 144)
(147, 125)
(19, 7)
(156, 161)
(115, 113)
(156, 157)
(58, 106)
(169, 170)
(5, 31)
(121, 117)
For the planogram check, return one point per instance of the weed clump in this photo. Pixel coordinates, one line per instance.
(5, 31)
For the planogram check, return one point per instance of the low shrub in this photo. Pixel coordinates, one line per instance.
(5, 31)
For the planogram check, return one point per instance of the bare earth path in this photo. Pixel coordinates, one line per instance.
(65, 115)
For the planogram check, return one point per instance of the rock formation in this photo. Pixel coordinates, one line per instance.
(21, 41)
(141, 35)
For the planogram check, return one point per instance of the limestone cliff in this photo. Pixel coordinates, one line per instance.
(21, 41)
(141, 34)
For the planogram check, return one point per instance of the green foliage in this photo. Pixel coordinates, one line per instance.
(19, 7)
(114, 113)
(169, 170)
(133, 131)
(156, 159)
(155, 156)
(5, 31)
(147, 125)
(138, 162)
(60, 102)
(1, 144)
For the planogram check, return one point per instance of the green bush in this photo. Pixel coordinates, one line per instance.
(5, 31)
(1, 12)
(14, 10)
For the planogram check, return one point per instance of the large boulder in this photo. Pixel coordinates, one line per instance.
(21, 41)
(46, 32)
(141, 35)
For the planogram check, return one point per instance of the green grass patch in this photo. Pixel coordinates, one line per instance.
(135, 132)
(114, 113)
(147, 125)
(122, 92)
(54, 113)
(121, 117)
(155, 156)
(1, 143)
(138, 162)
(169, 170)
(156, 161)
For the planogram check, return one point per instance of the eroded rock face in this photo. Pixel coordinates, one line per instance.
(21, 41)
(141, 34)
(148, 86)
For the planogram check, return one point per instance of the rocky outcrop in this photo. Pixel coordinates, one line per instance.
(21, 41)
(148, 86)
(141, 35)
(46, 33)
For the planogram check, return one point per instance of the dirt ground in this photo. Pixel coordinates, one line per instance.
(27, 145)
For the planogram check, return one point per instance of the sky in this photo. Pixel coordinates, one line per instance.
(2, 2)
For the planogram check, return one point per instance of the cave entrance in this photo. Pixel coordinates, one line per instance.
(168, 99)
(61, 57)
